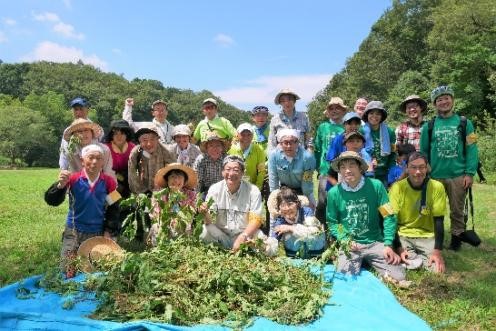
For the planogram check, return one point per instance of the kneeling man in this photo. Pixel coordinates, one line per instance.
(420, 204)
(238, 208)
(355, 210)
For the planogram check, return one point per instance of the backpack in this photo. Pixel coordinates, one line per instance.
(462, 130)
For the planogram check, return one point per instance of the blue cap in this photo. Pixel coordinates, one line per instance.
(79, 101)
(350, 116)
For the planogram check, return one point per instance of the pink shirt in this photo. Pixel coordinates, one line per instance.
(119, 160)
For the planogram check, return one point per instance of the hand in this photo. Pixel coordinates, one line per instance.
(437, 258)
(282, 229)
(63, 178)
(203, 209)
(391, 256)
(129, 102)
(467, 181)
(239, 240)
(354, 247)
(404, 255)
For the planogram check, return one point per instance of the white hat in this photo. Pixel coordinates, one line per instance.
(287, 133)
(245, 126)
(181, 129)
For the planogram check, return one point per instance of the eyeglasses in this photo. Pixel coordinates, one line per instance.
(289, 142)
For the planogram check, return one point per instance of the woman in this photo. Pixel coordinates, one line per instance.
(295, 225)
(178, 179)
(82, 133)
(182, 148)
(118, 140)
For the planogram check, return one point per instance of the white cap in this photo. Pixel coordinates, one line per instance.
(245, 126)
(287, 133)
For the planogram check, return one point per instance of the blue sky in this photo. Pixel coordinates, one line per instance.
(242, 51)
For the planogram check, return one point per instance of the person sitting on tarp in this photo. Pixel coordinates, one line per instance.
(420, 205)
(238, 208)
(356, 207)
(296, 226)
(93, 210)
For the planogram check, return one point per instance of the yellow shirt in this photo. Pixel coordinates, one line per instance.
(406, 204)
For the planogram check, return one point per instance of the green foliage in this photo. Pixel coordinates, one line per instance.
(417, 45)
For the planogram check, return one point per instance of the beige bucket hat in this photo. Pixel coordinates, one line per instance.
(285, 91)
(349, 155)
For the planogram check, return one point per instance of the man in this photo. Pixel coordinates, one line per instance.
(292, 166)
(159, 112)
(408, 132)
(208, 164)
(260, 116)
(80, 109)
(238, 208)
(355, 210)
(360, 105)
(146, 159)
(182, 148)
(213, 122)
(289, 118)
(453, 158)
(420, 205)
(251, 153)
(326, 132)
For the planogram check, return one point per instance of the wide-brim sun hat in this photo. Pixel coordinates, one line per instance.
(414, 98)
(374, 105)
(285, 91)
(336, 101)
(272, 202)
(181, 130)
(349, 155)
(190, 183)
(211, 136)
(81, 124)
(95, 248)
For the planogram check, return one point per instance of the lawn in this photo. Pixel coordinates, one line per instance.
(463, 298)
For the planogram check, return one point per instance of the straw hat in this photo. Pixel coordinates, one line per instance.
(285, 91)
(349, 155)
(191, 182)
(96, 248)
(80, 124)
(336, 101)
(210, 136)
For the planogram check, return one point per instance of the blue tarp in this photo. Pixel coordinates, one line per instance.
(357, 303)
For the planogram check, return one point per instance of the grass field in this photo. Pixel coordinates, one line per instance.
(462, 299)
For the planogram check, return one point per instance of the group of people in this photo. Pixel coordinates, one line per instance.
(271, 163)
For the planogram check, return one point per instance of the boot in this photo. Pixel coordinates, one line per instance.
(456, 243)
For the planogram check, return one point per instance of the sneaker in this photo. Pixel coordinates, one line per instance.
(456, 243)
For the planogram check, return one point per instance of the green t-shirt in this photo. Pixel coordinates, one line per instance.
(323, 139)
(387, 161)
(358, 214)
(254, 163)
(406, 204)
(221, 125)
(446, 158)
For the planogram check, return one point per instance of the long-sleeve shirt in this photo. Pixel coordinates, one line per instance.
(296, 174)
(326, 133)
(299, 122)
(447, 159)
(164, 129)
(209, 171)
(72, 162)
(187, 156)
(254, 158)
(357, 215)
(222, 126)
(408, 133)
(143, 167)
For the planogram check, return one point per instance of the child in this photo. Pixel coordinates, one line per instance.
(93, 210)
(394, 174)
(301, 233)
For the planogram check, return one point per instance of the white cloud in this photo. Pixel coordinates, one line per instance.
(67, 30)
(3, 37)
(46, 17)
(262, 90)
(224, 40)
(64, 29)
(9, 21)
(49, 51)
